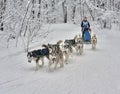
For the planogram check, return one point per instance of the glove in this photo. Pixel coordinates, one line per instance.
(90, 30)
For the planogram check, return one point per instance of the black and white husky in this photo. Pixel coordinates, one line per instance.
(56, 54)
(37, 55)
(71, 42)
(67, 51)
(79, 45)
(51, 52)
(76, 43)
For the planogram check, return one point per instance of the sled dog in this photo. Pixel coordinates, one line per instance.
(50, 52)
(79, 46)
(67, 51)
(71, 42)
(94, 41)
(37, 55)
(56, 56)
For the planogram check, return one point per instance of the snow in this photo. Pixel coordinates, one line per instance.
(93, 72)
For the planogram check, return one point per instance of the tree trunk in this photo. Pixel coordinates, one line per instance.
(73, 15)
(39, 12)
(64, 11)
(33, 9)
(2, 10)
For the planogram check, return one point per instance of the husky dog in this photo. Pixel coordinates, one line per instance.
(94, 41)
(59, 58)
(55, 55)
(67, 51)
(79, 46)
(51, 52)
(55, 47)
(37, 55)
(52, 57)
(71, 42)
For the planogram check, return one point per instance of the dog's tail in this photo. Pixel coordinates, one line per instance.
(59, 42)
(44, 46)
(75, 38)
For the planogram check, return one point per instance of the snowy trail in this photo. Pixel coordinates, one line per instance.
(94, 72)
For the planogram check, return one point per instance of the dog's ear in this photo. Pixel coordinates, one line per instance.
(59, 42)
(75, 36)
(79, 35)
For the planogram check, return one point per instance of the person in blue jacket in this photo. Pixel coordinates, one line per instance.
(85, 26)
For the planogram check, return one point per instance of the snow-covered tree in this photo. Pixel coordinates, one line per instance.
(23, 19)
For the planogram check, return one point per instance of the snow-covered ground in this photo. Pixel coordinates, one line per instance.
(94, 72)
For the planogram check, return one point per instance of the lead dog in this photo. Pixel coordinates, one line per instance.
(37, 55)
(94, 41)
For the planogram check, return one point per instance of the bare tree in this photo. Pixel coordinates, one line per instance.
(2, 11)
(74, 10)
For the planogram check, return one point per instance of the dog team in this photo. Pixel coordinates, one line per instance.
(60, 52)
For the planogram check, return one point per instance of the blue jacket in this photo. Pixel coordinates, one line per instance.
(85, 25)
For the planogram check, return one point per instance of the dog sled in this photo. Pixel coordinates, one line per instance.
(86, 37)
